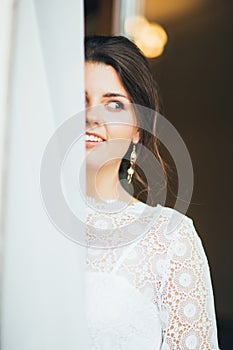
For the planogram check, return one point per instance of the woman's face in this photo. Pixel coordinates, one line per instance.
(110, 119)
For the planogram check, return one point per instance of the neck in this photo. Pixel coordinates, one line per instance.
(103, 184)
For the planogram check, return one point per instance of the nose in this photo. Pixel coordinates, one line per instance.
(93, 116)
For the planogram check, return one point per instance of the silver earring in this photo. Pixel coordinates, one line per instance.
(130, 171)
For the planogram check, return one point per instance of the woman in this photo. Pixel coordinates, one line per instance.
(148, 286)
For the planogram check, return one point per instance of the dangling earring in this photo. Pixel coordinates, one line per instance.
(130, 171)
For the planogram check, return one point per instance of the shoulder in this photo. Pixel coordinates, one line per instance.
(176, 231)
(170, 226)
(173, 220)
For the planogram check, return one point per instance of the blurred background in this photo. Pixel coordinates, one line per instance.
(189, 47)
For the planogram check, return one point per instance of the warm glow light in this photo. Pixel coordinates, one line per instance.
(152, 32)
(151, 40)
(150, 51)
(149, 37)
(134, 24)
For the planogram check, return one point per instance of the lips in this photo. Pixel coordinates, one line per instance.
(93, 140)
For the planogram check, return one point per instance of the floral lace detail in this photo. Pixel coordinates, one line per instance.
(106, 229)
(154, 293)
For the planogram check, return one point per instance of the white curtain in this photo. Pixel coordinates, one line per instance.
(42, 303)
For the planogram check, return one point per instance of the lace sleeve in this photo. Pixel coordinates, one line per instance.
(187, 304)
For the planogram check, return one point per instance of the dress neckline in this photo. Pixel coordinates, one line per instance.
(112, 205)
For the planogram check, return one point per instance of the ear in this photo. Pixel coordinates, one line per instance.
(136, 136)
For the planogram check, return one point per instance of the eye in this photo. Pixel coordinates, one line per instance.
(115, 105)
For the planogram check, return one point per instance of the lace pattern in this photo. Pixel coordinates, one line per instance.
(163, 276)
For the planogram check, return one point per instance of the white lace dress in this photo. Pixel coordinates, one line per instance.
(148, 281)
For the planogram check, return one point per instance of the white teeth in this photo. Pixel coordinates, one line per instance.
(93, 138)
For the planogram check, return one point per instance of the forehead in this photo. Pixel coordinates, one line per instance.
(102, 78)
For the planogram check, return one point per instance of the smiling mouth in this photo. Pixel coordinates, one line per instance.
(93, 140)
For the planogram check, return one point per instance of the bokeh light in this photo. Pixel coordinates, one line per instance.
(151, 38)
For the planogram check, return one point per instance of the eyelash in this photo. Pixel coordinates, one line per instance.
(120, 106)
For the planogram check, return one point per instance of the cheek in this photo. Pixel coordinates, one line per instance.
(120, 124)
(120, 131)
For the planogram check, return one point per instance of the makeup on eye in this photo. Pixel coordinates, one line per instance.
(108, 97)
(115, 105)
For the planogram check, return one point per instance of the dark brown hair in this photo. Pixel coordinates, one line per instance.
(135, 74)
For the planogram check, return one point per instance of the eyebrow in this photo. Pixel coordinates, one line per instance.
(113, 94)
